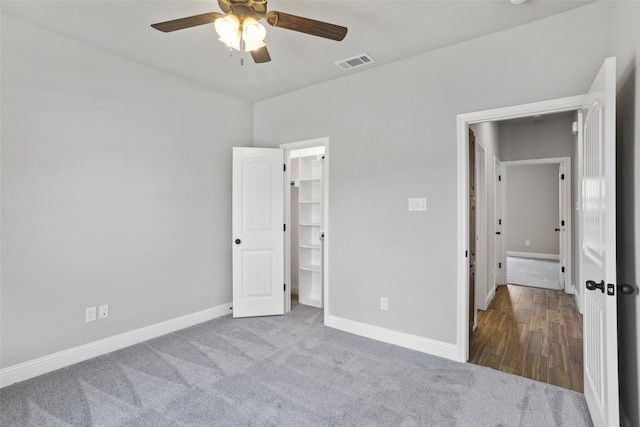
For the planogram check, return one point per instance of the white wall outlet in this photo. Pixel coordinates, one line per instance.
(526, 243)
(90, 314)
(103, 311)
(384, 303)
(418, 204)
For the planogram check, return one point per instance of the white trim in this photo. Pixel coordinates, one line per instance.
(389, 336)
(490, 295)
(571, 103)
(42, 365)
(533, 255)
(310, 143)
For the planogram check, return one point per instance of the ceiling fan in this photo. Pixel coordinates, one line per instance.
(239, 28)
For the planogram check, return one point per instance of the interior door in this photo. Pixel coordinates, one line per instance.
(258, 231)
(497, 218)
(562, 229)
(598, 253)
(472, 230)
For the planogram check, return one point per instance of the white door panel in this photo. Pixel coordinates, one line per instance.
(258, 235)
(598, 253)
(497, 218)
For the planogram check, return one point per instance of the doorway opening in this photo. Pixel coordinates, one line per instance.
(306, 219)
(521, 330)
(537, 216)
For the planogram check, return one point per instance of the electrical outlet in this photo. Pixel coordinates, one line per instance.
(90, 314)
(384, 303)
(103, 311)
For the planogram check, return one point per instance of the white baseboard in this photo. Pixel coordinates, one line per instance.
(490, 295)
(413, 342)
(42, 365)
(534, 255)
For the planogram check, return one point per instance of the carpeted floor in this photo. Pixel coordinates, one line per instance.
(539, 273)
(282, 371)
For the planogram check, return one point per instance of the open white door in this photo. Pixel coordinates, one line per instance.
(257, 231)
(598, 253)
(562, 230)
(497, 269)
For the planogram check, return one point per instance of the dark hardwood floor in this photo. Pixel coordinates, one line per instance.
(531, 332)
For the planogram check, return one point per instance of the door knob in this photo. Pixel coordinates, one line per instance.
(238, 241)
(557, 229)
(626, 289)
(497, 232)
(592, 286)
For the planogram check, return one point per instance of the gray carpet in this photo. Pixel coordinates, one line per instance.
(539, 273)
(282, 371)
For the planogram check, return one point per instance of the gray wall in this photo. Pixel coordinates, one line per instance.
(547, 136)
(393, 136)
(626, 46)
(532, 209)
(116, 189)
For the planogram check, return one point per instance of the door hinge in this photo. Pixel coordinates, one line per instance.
(499, 222)
(284, 167)
(466, 254)
(562, 176)
(499, 177)
(562, 269)
(499, 265)
(285, 287)
(284, 227)
(562, 223)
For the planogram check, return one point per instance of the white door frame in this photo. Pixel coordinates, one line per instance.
(565, 207)
(288, 147)
(482, 246)
(559, 105)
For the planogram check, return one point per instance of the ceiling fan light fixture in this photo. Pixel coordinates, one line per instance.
(253, 31)
(228, 28)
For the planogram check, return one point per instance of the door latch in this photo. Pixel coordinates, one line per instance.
(592, 286)
(611, 289)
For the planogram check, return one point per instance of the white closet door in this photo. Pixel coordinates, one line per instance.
(257, 231)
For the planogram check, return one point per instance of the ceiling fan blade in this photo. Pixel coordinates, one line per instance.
(188, 22)
(306, 25)
(260, 55)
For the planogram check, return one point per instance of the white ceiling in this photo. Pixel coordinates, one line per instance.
(387, 30)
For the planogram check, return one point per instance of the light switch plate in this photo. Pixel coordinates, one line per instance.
(418, 204)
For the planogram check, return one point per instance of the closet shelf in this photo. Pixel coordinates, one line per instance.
(309, 224)
(314, 268)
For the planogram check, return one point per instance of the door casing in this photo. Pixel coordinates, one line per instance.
(565, 208)
(559, 105)
(288, 147)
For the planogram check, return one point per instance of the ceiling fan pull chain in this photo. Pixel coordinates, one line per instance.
(241, 49)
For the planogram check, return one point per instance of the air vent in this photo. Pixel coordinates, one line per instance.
(355, 62)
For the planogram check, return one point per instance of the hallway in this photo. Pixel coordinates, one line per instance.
(531, 332)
